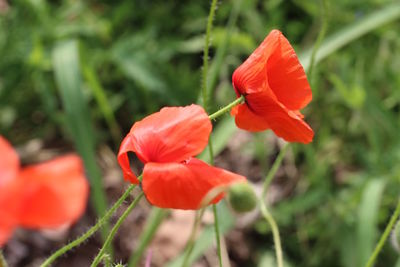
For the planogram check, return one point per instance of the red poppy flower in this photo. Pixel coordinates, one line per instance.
(44, 195)
(166, 142)
(275, 88)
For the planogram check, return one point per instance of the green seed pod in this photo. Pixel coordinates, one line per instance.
(242, 197)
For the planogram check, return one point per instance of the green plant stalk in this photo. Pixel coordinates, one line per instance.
(206, 104)
(3, 262)
(190, 245)
(91, 231)
(384, 236)
(275, 232)
(217, 234)
(156, 217)
(221, 50)
(205, 54)
(114, 230)
(227, 108)
(321, 36)
(266, 214)
(274, 169)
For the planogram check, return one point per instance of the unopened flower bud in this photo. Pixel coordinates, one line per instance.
(242, 197)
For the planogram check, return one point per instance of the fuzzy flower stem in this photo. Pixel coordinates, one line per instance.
(227, 108)
(91, 231)
(114, 230)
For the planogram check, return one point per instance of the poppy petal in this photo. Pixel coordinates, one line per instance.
(54, 192)
(251, 76)
(183, 185)
(171, 135)
(123, 160)
(285, 123)
(9, 161)
(10, 203)
(286, 76)
(247, 120)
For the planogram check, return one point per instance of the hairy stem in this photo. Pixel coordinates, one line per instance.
(226, 109)
(114, 230)
(91, 231)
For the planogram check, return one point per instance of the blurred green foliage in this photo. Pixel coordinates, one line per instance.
(137, 56)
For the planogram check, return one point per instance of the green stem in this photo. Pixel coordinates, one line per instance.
(274, 169)
(205, 53)
(384, 236)
(3, 262)
(217, 234)
(190, 244)
(152, 224)
(114, 230)
(227, 108)
(275, 232)
(321, 36)
(267, 215)
(91, 231)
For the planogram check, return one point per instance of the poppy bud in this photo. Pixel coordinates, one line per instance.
(242, 197)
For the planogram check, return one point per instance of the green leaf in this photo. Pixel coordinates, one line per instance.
(367, 228)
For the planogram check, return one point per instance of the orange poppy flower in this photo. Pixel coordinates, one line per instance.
(166, 143)
(275, 88)
(44, 195)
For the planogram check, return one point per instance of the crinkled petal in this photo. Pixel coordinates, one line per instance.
(247, 120)
(9, 161)
(170, 135)
(251, 76)
(285, 123)
(123, 159)
(286, 76)
(183, 185)
(54, 193)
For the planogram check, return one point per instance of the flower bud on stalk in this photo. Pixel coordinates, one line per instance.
(242, 198)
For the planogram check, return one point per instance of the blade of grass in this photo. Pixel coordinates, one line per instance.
(68, 79)
(102, 101)
(351, 33)
(368, 219)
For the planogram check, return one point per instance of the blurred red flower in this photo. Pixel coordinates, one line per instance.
(166, 142)
(275, 88)
(45, 195)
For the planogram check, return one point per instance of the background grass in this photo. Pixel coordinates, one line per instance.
(137, 56)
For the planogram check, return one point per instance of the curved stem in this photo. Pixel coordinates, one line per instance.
(114, 230)
(266, 214)
(275, 232)
(274, 169)
(226, 108)
(384, 236)
(91, 231)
